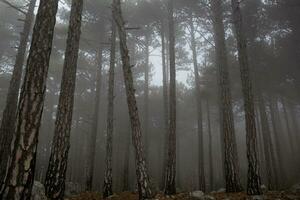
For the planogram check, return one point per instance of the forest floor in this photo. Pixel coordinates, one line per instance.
(280, 195)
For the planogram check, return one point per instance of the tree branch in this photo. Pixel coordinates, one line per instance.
(13, 6)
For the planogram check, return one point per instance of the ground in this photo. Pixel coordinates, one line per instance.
(185, 196)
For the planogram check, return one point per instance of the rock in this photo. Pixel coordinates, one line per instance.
(221, 190)
(208, 197)
(264, 188)
(72, 189)
(197, 195)
(38, 191)
(257, 197)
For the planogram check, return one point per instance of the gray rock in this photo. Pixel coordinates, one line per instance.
(197, 195)
(38, 191)
(264, 188)
(295, 188)
(208, 197)
(257, 197)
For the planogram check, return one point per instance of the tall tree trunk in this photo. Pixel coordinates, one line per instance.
(199, 108)
(170, 177)
(20, 177)
(141, 168)
(107, 187)
(126, 162)
(93, 135)
(56, 173)
(10, 110)
(254, 180)
(268, 146)
(231, 166)
(165, 99)
(210, 147)
(146, 94)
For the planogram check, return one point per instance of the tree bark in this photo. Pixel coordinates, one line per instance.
(56, 173)
(170, 177)
(231, 166)
(199, 108)
(254, 180)
(146, 94)
(10, 110)
(20, 177)
(107, 187)
(141, 168)
(93, 135)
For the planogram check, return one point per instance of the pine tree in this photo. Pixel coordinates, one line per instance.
(141, 168)
(254, 180)
(20, 177)
(56, 173)
(230, 159)
(107, 187)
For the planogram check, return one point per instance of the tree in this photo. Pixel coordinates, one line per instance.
(56, 173)
(170, 185)
(107, 187)
(141, 168)
(20, 177)
(9, 114)
(199, 107)
(231, 166)
(254, 180)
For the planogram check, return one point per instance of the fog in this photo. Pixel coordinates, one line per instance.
(209, 99)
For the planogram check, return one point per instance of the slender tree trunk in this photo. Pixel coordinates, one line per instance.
(93, 135)
(10, 110)
(210, 147)
(254, 180)
(56, 173)
(165, 97)
(126, 163)
(170, 177)
(146, 95)
(107, 187)
(20, 177)
(268, 146)
(141, 168)
(199, 108)
(231, 165)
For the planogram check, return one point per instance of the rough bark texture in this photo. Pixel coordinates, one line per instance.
(9, 113)
(107, 187)
(56, 173)
(254, 180)
(141, 168)
(170, 184)
(199, 108)
(210, 148)
(20, 177)
(93, 135)
(231, 166)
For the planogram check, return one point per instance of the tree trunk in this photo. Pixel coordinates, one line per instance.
(210, 147)
(199, 107)
(146, 94)
(20, 177)
(10, 110)
(165, 99)
(170, 185)
(141, 168)
(254, 180)
(56, 173)
(107, 187)
(268, 146)
(93, 135)
(231, 166)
